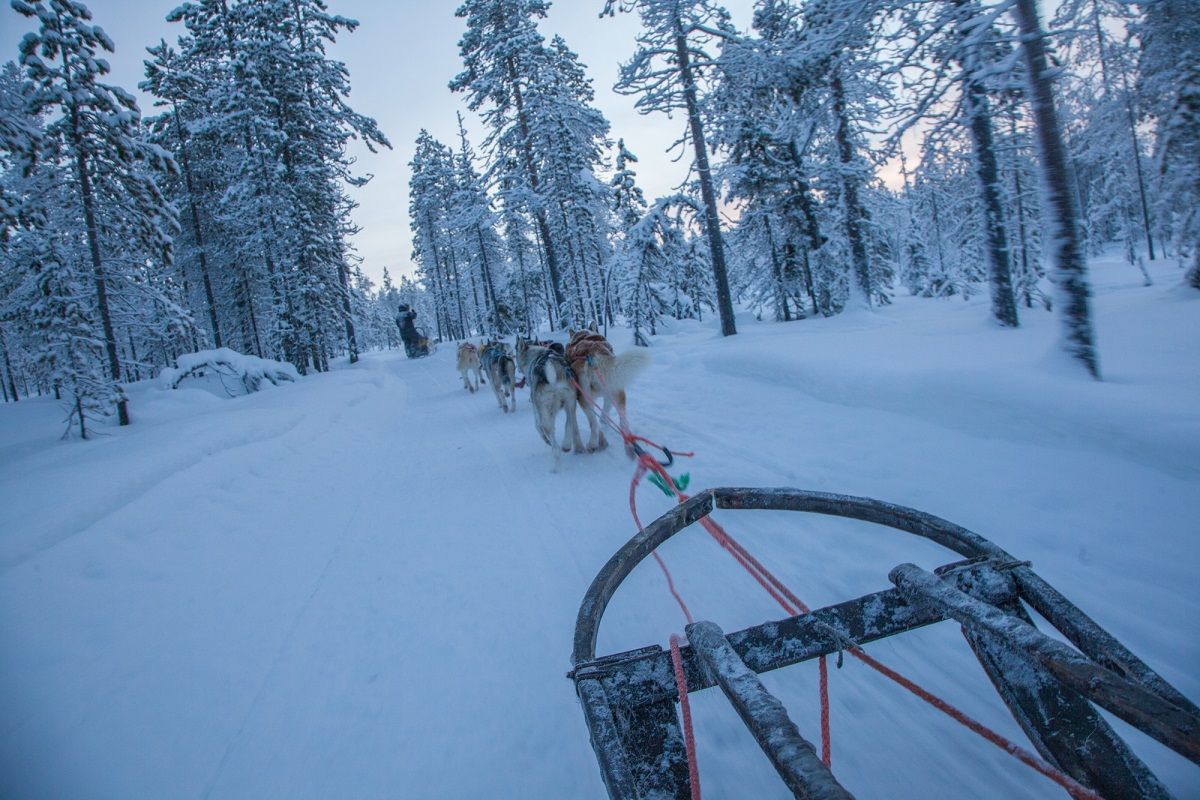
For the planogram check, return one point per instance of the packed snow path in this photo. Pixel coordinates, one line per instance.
(364, 585)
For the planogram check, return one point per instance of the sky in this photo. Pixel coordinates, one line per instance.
(400, 60)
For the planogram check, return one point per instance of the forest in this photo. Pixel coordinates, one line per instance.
(841, 152)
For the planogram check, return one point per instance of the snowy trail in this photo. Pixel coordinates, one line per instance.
(364, 585)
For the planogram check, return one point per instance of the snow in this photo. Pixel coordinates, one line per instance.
(254, 372)
(365, 585)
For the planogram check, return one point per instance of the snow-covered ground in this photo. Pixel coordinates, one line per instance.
(363, 585)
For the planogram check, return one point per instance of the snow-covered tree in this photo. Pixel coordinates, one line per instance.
(503, 53)
(667, 72)
(1170, 85)
(1100, 111)
(124, 218)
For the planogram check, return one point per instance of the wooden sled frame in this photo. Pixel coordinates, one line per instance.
(629, 698)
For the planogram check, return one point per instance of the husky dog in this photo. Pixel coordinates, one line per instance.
(499, 366)
(551, 389)
(601, 375)
(468, 363)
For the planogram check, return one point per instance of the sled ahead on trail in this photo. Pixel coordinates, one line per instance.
(416, 341)
(1052, 688)
(419, 347)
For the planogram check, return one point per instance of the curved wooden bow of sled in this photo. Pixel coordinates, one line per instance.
(629, 698)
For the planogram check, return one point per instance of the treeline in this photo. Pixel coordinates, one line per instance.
(1019, 152)
(1022, 145)
(223, 220)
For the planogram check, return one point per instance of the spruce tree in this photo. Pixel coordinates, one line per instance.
(666, 72)
(97, 127)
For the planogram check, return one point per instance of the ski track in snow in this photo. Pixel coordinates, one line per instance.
(364, 585)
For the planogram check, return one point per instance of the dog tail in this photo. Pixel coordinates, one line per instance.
(625, 368)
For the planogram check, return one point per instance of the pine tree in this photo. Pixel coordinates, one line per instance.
(1100, 120)
(431, 189)
(1170, 81)
(96, 126)
(960, 49)
(502, 52)
(166, 80)
(666, 71)
(474, 222)
(266, 127)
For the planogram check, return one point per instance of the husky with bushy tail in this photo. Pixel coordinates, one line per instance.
(603, 377)
(469, 366)
(499, 366)
(551, 390)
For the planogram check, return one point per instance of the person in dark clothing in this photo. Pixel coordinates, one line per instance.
(415, 345)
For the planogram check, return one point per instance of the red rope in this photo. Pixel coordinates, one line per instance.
(689, 739)
(1073, 787)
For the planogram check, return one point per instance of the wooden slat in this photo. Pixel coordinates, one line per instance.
(647, 676)
(1133, 703)
(1061, 724)
(793, 757)
(606, 741)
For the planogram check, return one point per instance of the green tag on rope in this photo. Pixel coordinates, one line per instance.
(680, 483)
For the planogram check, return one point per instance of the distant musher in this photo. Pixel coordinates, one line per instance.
(415, 344)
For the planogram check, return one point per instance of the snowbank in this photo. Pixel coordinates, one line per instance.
(339, 590)
(252, 371)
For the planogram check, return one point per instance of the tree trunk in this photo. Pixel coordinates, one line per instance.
(453, 275)
(440, 290)
(782, 312)
(855, 215)
(258, 350)
(1004, 305)
(12, 381)
(82, 420)
(553, 308)
(1070, 279)
(489, 289)
(197, 232)
(351, 337)
(1137, 169)
(1130, 118)
(93, 236)
(1026, 270)
(133, 356)
(712, 220)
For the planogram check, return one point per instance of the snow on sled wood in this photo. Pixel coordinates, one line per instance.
(251, 371)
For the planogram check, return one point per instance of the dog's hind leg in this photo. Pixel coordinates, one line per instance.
(498, 390)
(596, 439)
(605, 415)
(572, 427)
(550, 434)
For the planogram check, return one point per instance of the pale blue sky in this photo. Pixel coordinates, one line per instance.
(400, 61)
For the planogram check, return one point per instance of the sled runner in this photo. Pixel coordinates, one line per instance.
(1050, 687)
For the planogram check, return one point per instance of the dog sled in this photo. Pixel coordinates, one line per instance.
(1053, 689)
(420, 346)
(416, 341)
